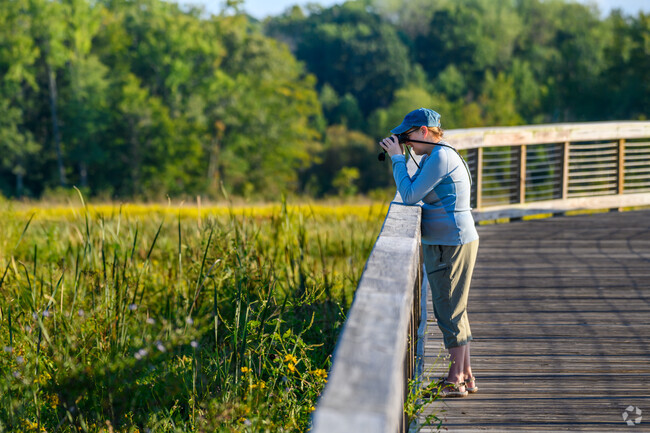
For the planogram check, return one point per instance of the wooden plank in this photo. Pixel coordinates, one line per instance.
(561, 327)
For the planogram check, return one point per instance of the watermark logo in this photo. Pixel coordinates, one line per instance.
(630, 412)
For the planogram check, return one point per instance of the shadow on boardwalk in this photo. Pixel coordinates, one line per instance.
(560, 314)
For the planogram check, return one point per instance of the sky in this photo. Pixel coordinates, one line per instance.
(263, 8)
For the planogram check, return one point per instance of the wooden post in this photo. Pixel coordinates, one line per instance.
(522, 173)
(565, 170)
(479, 178)
(620, 182)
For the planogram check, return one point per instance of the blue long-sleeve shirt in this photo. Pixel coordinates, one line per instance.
(442, 183)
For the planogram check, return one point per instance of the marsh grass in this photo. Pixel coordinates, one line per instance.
(173, 321)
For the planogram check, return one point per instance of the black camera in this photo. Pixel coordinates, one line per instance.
(401, 139)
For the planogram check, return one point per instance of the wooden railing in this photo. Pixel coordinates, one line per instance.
(516, 171)
(375, 354)
(526, 170)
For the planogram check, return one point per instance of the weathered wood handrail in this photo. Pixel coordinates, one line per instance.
(375, 354)
(524, 170)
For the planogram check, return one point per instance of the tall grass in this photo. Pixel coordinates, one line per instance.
(169, 321)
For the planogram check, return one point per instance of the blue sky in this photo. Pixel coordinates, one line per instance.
(263, 8)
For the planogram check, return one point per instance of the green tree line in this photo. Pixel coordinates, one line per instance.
(145, 99)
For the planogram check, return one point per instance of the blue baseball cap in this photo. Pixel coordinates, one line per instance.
(419, 117)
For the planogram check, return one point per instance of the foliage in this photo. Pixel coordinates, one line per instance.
(124, 318)
(148, 99)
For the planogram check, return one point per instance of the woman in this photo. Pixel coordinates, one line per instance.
(449, 238)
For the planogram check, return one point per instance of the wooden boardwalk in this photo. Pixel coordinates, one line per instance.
(560, 314)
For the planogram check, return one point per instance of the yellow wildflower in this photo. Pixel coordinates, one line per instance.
(320, 373)
(290, 359)
(245, 370)
(43, 378)
(311, 409)
(292, 367)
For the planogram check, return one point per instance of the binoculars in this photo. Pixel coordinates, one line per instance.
(401, 139)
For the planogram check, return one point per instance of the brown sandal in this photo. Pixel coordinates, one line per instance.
(452, 390)
(473, 388)
(445, 389)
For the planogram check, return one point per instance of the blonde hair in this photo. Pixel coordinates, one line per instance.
(436, 131)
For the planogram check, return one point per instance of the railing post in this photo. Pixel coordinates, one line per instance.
(479, 178)
(620, 182)
(565, 170)
(522, 173)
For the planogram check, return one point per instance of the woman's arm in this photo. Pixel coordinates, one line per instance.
(431, 173)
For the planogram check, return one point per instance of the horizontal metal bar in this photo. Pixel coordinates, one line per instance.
(502, 170)
(595, 173)
(550, 171)
(551, 189)
(591, 154)
(489, 183)
(637, 151)
(486, 191)
(636, 170)
(635, 177)
(637, 185)
(637, 144)
(542, 153)
(548, 191)
(534, 178)
(543, 163)
(542, 185)
(592, 166)
(638, 157)
(592, 188)
(592, 160)
(638, 164)
(584, 181)
(500, 151)
(510, 193)
(487, 161)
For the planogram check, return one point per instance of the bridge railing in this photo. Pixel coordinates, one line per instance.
(517, 171)
(375, 354)
(525, 170)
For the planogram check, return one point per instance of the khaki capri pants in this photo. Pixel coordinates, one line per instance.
(449, 271)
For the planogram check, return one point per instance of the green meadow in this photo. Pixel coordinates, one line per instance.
(146, 318)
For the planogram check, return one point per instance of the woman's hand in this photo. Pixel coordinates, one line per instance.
(391, 146)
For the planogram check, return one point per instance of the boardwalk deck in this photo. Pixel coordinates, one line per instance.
(560, 313)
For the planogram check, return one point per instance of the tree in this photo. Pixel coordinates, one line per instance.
(471, 35)
(18, 54)
(624, 87)
(48, 30)
(353, 50)
(85, 96)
